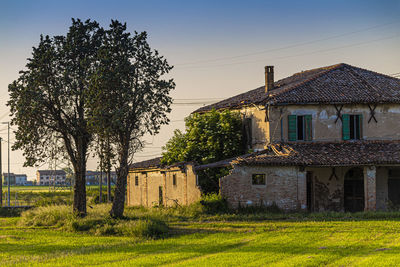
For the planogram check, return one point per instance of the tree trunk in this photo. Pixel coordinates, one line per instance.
(79, 206)
(117, 209)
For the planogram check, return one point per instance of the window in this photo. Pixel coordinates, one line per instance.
(258, 179)
(174, 179)
(352, 126)
(300, 128)
(136, 180)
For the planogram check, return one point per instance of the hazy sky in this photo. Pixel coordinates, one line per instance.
(218, 48)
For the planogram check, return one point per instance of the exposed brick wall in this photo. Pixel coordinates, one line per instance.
(281, 187)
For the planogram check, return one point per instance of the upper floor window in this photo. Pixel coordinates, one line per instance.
(352, 126)
(136, 180)
(300, 127)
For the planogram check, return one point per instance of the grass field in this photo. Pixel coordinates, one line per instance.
(44, 195)
(211, 243)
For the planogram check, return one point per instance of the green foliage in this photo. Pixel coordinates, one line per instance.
(128, 98)
(48, 101)
(214, 204)
(209, 137)
(97, 222)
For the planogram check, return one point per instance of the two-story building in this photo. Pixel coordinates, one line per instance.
(51, 177)
(325, 139)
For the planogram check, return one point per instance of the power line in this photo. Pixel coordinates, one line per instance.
(303, 54)
(285, 47)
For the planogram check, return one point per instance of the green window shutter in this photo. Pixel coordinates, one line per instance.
(292, 129)
(360, 119)
(308, 127)
(346, 126)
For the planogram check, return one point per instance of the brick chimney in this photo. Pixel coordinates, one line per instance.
(269, 78)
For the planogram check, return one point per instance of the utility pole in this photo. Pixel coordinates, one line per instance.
(8, 175)
(101, 180)
(1, 179)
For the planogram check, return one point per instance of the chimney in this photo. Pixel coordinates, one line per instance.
(269, 78)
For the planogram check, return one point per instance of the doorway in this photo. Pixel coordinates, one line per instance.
(160, 196)
(354, 190)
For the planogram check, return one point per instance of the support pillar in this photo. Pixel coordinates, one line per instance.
(302, 189)
(370, 188)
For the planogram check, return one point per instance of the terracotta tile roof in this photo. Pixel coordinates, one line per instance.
(327, 154)
(337, 84)
(151, 163)
(155, 163)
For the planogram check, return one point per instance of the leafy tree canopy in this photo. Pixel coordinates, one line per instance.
(209, 137)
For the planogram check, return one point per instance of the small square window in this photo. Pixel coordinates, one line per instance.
(174, 179)
(136, 180)
(258, 179)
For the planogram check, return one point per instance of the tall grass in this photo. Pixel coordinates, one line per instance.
(97, 222)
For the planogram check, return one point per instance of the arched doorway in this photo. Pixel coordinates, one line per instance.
(354, 190)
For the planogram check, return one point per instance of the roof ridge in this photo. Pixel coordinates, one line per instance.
(312, 78)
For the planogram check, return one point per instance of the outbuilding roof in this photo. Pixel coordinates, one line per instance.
(336, 84)
(351, 153)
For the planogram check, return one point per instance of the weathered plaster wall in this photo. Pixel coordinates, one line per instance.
(281, 187)
(260, 128)
(175, 193)
(193, 193)
(146, 193)
(154, 181)
(136, 194)
(328, 192)
(325, 128)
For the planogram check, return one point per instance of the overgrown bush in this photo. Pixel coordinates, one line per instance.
(97, 222)
(214, 203)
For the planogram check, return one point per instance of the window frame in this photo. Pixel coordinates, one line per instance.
(254, 178)
(306, 125)
(352, 127)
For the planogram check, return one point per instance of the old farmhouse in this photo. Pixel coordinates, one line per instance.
(151, 184)
(323, 139)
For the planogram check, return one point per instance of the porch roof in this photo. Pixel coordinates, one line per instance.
(348, 153)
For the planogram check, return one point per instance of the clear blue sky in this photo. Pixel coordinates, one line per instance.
(218, 48)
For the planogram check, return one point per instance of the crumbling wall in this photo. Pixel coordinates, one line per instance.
(328, 192)
(326, 129)
(260, 128)
(281, 187)
(146, 193)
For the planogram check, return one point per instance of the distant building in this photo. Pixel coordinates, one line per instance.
(15, 179)
(93, 177)
(51, 177)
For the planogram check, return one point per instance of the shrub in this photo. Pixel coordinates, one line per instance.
(147, 228)
(214, 203)
(47, 216)
(97, 222)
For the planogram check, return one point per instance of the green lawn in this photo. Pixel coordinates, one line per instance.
(281, 243)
